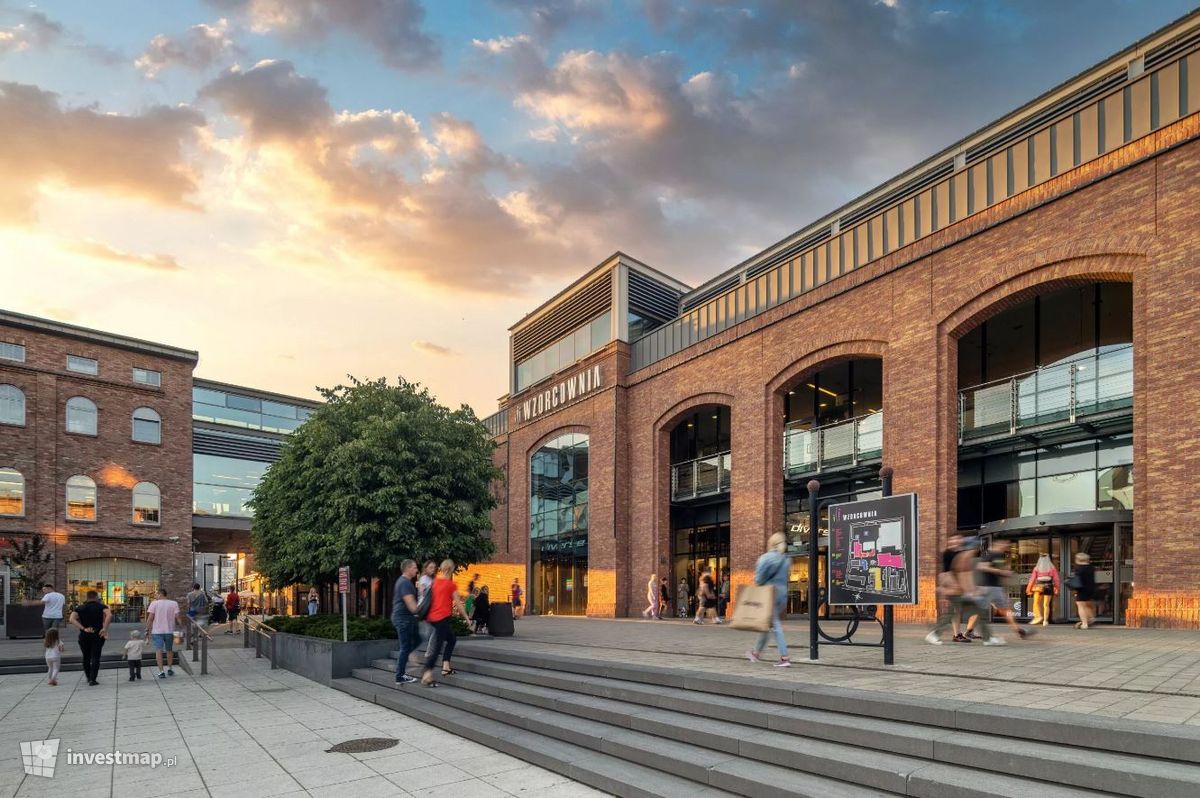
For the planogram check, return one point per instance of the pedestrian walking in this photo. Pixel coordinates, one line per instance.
(444, 603)
(54, 651)
(772, 569)
(651, 610)
(482, 613)
(1083, 582)
(52, 603)
(424, 582)
(706, 598)
(992, 574)
(946, 580)
(404, 618)
(91, 618)
(962, 593)
(469, 601)
(233, 604)
(664, 603)
(723, 597)
(161, 619)
(683, 599)
(133, 654)
(516, 598)
(197, 604)
(1044, 584)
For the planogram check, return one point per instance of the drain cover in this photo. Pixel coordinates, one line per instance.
(362, 745)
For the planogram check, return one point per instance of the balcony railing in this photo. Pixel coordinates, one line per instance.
(704, 476)
(846, 443)
(497, 423)
(1060, 394)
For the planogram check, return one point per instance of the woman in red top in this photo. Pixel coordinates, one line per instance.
(444, 603)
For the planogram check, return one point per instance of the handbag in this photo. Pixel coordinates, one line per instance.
(755, 606)
(1074, 582)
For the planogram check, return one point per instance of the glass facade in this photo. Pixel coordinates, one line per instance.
(574, 346)
(558, 512)
(223, 407)
(836, 393)
(223, 485)
(699, 540)
(126, 586)
(1070, 477)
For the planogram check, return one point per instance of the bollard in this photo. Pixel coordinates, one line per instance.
(204, 657)
(245, 633)
(273, 665)
(257, 644)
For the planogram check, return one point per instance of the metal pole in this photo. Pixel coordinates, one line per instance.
(344, 603)
(889, 623)
(245, 632)
(258, 644)
(204, 657)
(273, 665)
(813, 518)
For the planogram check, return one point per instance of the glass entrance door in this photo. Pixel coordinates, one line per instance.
(1124, 560)
(559, 577)
(1099, 546)
(1023, 555)
(705, 546)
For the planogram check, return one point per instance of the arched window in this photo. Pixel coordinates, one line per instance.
(81, 499)
(12, 492)
(81, 415)
(558, 526)
(147, 426)
(146, 503)
(12, 405)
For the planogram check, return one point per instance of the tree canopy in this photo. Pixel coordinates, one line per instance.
(379, 474)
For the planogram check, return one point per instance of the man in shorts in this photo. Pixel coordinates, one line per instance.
(161, 620)
(993, 573)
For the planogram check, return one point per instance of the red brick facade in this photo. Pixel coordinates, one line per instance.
(1132, 215)
(47, 455)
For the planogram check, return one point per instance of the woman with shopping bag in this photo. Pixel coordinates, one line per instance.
(760, 606)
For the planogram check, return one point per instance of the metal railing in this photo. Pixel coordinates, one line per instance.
(704, 476)
(1058, 394)
(846, 443)
(196, 639)
(497, 423)
(263, 636)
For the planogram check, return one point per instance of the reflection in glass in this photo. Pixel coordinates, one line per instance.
(147, 426)
(12, 492)
(559, 526)
(81, 499)
(146, 503)
(12, 405)
(81, 415)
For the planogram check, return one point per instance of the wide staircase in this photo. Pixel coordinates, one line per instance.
(635, 730)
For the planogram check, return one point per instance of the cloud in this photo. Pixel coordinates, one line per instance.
(549, 17)
(199, 48)
(141, 155)
(391, 27)
(272, 100)
(101, 251)
(34, 30)
(430, 348)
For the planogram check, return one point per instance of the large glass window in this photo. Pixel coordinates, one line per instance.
(232, 409)
(83, 365)
(12, 405)
(147, 503)
(701, 433)
(126, 586)
(559, 526)
(81, 499)
(223, 485)
(81, 415)
(12, 492)
(572, 347)
(10, 351)
(147, 377)
(147, 426)
(836, 393)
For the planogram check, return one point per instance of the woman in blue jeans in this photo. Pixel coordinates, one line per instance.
(772, 569)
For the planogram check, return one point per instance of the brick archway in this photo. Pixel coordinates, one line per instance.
(556, 432)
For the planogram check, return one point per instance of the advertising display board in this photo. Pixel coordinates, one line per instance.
(873, 551)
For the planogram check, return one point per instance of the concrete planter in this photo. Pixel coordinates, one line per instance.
(23, 620)
(325, 660)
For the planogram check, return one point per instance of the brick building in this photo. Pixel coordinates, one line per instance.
(1010, 325)
(96, 456)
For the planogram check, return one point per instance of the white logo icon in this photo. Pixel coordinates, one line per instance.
(39, 756)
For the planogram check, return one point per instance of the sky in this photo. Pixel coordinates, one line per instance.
(305, 190)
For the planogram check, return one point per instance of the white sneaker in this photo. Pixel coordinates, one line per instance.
(753, 655)
(933, 639)
(784, 663)
(995, 641)
(719, 622)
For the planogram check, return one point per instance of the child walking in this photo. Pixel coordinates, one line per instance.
(54, 650)
(133, 653)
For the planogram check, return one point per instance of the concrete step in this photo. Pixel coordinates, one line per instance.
(593, 768)
(18, 665)
(704, 766)
(1175, 742)
(657, 711)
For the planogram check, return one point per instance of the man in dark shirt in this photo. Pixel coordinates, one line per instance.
(404, 618)
(993, 573)
(945, 576)
(91, 618)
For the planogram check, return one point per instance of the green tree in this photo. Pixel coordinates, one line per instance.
(31, 561)
(379, 474)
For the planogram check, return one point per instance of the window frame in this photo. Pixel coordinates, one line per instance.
(22, 482)
(148, 383)
(24, 411)
(94, 361)
(133, 506)
(95, 416)
(95, 500)
(133, 419)
(21, 347)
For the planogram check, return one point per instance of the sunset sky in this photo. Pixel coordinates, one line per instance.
(302, 190)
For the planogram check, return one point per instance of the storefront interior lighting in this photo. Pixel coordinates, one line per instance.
(825, 391)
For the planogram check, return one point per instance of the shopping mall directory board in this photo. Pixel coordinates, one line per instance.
(873, 551)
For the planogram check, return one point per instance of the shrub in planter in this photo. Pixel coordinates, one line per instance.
(329, 627)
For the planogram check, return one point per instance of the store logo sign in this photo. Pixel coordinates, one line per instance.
(38, 757)
(562, 393)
